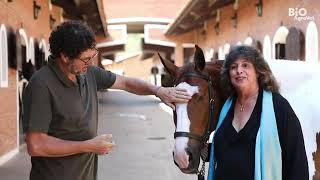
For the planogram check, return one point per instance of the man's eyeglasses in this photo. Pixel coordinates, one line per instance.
(87, 60)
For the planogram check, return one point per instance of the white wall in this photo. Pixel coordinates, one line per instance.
(300, 85)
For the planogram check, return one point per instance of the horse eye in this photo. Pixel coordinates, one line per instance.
(198, 96)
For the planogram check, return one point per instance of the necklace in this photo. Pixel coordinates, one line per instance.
(241, 108)
(247, 102)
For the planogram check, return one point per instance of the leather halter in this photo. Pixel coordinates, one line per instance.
(203, 139)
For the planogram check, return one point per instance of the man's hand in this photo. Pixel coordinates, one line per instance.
(171, 95)
(101, 144)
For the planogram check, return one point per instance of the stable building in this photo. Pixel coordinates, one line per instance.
(279, 29)
(286, 32)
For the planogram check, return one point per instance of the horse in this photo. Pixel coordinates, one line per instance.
(195, 120)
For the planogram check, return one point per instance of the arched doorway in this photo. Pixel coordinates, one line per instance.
(44, 49)
(22, 54)
(209, 55)
(215, 56)
(295, 44)
(267, 48)
(221, 54)
(40, 54)
(3, 57)
(279, 43)
(226, 49)
(22, 48)
(31, 51)
(248, 41)
(312, 46)
(253, 43)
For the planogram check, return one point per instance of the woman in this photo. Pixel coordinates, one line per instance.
(258, 135)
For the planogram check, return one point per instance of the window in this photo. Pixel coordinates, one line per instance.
(279, 43)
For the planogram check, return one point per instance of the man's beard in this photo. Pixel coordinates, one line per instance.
(76, 71)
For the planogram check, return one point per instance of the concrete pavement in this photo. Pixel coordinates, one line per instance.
(18, 167)
(143, 134)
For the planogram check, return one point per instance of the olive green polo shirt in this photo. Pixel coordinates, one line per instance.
(55, 105)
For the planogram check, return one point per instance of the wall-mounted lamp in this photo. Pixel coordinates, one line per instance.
(218, 16)
(217, 28)
(234, 20)
(36, 10)
(259, 8)
(281, 23)
(205, 27)
(217, 25)
(52, 22)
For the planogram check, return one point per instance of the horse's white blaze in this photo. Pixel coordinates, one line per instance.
(183, 125)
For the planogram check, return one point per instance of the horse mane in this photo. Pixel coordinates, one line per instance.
(214, 70)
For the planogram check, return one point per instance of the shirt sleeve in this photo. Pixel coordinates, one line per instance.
(37, 113)
(104, 78)
(294, 158)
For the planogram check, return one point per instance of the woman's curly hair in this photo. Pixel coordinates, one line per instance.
(71, 38)
(266, 79)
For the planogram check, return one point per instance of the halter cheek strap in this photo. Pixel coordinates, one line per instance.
(202, 138)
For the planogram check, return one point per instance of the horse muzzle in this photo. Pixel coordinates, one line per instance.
(193, 158)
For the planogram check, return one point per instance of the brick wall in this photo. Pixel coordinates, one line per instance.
(249, 24)
(143, 8)
(8, 118)
(19, 14)
(15, 15)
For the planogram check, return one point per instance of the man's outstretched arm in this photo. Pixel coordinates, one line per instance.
(168, 95)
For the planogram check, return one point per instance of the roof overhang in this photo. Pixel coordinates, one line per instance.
(116, 40)
(136, 24)
(89, 11)
(194, 15)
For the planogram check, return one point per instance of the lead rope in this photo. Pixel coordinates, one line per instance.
(201, 172)
(204, 156)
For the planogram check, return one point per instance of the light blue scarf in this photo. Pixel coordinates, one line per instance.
(268, 163)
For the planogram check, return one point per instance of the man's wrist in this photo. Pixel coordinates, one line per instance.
(85, 146)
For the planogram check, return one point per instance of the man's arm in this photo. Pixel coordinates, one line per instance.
(41, 144)
(168, 95)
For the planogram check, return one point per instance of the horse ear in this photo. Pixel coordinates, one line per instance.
(169, 66)
(199, 59)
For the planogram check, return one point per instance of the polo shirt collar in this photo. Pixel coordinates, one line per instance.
(61, 76)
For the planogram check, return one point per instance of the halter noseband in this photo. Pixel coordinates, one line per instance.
(203, 139)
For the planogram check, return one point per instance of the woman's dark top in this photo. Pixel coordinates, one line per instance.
(235, 151)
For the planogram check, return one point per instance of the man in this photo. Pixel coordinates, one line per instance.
(61, 107)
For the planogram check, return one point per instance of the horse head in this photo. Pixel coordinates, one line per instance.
(195, 120)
